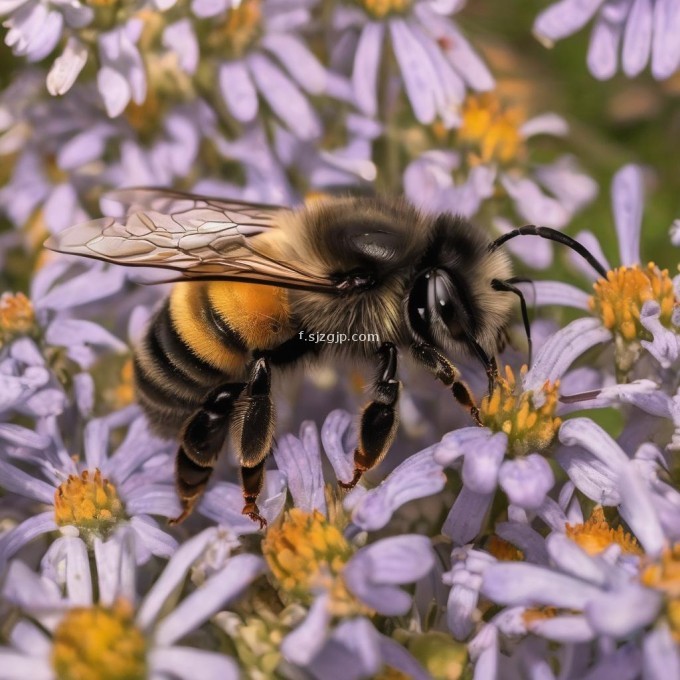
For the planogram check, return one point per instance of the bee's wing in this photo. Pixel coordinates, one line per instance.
(199, 237)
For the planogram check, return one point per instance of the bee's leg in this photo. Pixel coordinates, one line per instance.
(379, 419)
(201, 440)
(252, 430)
(442, 369)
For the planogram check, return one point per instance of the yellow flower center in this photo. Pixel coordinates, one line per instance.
(237, 31)
(306, 553)
(618, 299)
(664, 575)
(528, 425)
(503, 550)
(16, 316)
(90, 503)
(490, 130)
(538, 614)
(379, 9)
(597, 534)
(99, 643)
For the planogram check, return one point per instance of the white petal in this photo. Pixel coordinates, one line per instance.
(67, 67)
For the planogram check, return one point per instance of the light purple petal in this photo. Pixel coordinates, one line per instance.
(563, 18)
(225, 585)
(157, 541)
(591, 243)
(483, 460)
(534, 252)
(541, 293)
(373, 572)
(591, 476)
(623, 664)
(621, 612)
(665, 347)
(666, 46)
(339, 442)
(572, 187)
(627, 205)
(466, 516)
(238, 90)
(637, 39)
(418, 476)
(284, 98)
(298, 61)
(604, 47)
(17, 481)
(302, 644)
(526, 481)
(661, 654)
(575, 561)
(26, 667)
(19, 536)
(565, 629)
(545, 124)
(562, 349)
(456, 444)
(420, 78)
(531, 585)
(533, 204)
(181, 39)
(584, 432)
(116, 568)
(528, 540)
(300, 461)
(183, 662)
(16, 435)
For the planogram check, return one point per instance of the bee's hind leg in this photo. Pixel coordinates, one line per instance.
(253, 434)
(379, 419)
(201, 439)
(442, 369)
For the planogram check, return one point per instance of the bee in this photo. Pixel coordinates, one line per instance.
(252, 280)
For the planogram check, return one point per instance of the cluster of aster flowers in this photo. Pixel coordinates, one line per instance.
(540, 544)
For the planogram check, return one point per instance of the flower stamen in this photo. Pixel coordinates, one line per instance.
(16, 317)
(527, 418)
(596, 535)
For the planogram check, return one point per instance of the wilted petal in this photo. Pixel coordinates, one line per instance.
(526, 481)
(627, 205)
(67, 67)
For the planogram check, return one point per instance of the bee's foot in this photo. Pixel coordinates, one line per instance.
(252, 511)
(355, 480)
(180, 518)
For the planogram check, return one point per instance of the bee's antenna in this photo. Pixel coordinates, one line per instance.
(551, 235)
(508, 287)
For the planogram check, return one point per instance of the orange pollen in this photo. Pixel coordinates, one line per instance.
(88, 502)
(618, 299)
(509, 409)
(596, 534)
(664, 575)
(490, 130)
(504, 551)
(16, 316)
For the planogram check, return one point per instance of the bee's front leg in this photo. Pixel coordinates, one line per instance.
(442, 369)
(379, 419)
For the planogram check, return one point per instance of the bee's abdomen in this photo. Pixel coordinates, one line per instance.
(202, 337)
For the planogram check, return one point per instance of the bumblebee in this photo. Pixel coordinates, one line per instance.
(251, 280)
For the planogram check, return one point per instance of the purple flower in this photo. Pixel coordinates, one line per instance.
(436, 62)
(128, 485)
(147, 631)
(637, 30)
(648, 290)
